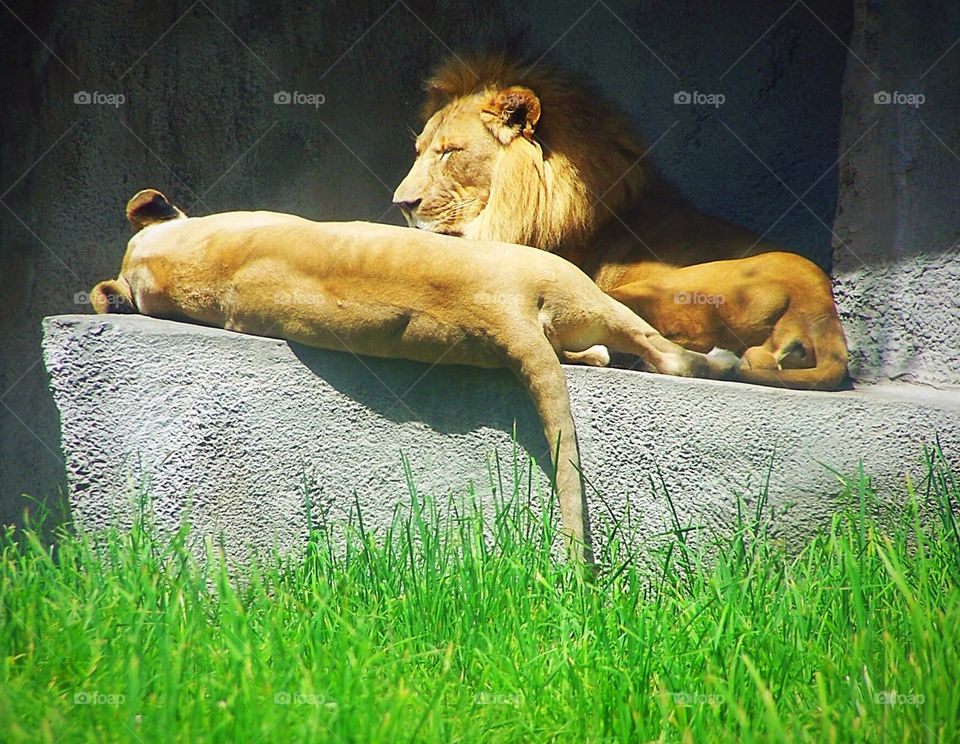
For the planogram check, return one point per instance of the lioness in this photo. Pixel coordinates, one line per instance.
(533, 156)
(387, 292)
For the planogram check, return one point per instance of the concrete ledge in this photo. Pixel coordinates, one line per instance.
(235, 431)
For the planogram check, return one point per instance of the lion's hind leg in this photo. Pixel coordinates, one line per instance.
(788, 347)
(799, 357)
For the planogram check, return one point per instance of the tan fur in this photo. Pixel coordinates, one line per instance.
(539, 158)
(390, 292)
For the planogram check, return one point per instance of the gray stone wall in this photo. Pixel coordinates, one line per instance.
(238, 434)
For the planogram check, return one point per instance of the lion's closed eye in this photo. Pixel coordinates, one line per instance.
(447, 151)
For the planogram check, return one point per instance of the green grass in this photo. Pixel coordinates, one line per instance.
(432, 633)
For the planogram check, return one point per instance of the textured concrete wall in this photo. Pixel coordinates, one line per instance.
(237, 432)
(898, 223)
(199, 122)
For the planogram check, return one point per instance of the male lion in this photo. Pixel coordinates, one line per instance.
(533, 156)
(385, 291)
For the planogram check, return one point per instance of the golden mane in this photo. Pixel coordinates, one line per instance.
(587, 163)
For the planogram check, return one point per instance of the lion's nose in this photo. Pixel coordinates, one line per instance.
(408, 206)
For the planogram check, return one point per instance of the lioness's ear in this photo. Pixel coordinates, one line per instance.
(512, 112)
(149, 206)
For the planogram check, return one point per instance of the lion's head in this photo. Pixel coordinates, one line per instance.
(520, 155)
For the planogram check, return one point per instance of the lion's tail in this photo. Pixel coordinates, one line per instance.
(830, 348)
(113, 296)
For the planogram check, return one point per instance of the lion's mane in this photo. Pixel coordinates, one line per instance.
(587, 162)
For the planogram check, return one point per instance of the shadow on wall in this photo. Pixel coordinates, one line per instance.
(499, 405)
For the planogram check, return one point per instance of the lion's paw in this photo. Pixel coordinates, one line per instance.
(721, 361)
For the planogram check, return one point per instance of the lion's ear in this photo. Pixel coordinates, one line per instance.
(149, 206)
(512, 112)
